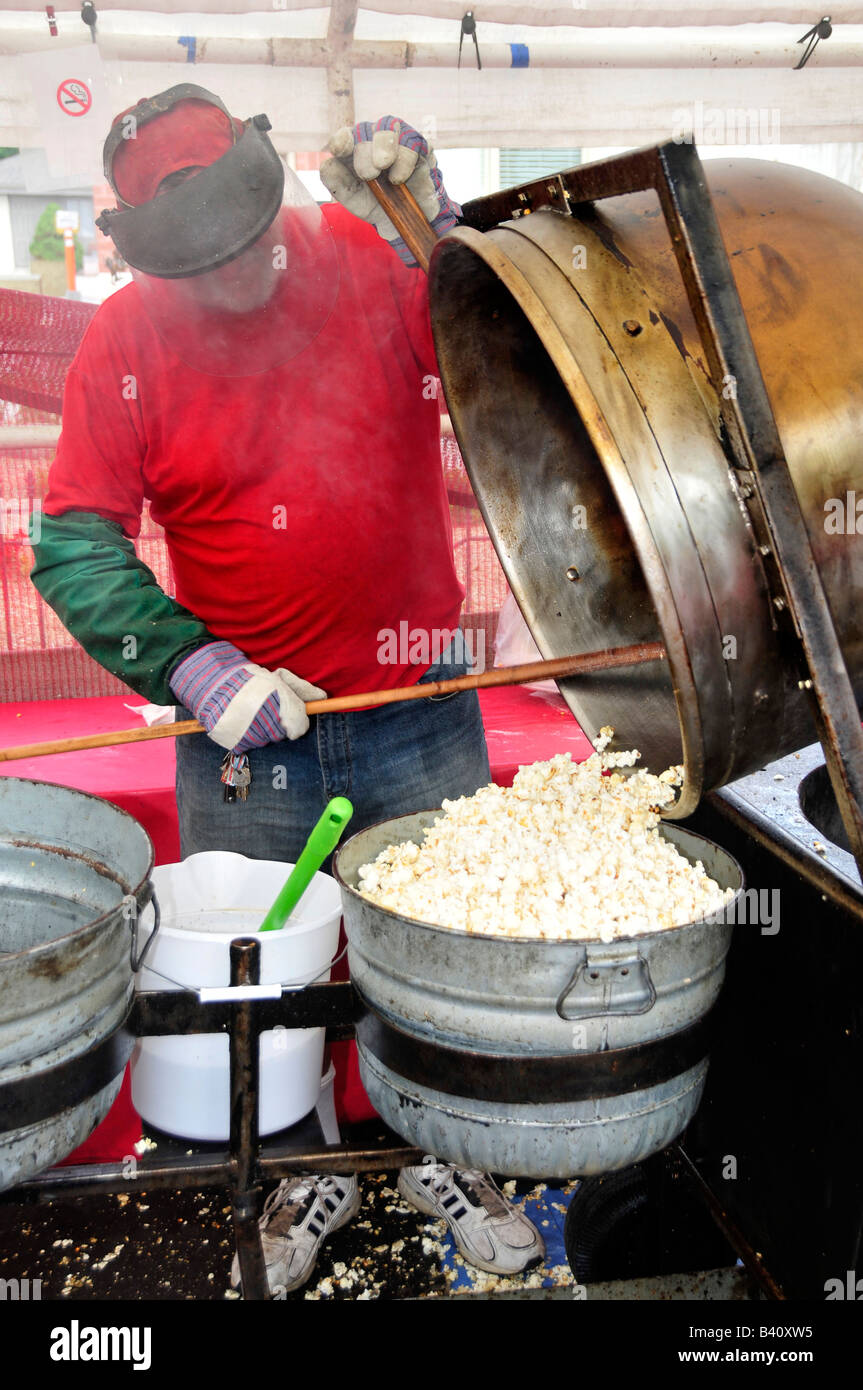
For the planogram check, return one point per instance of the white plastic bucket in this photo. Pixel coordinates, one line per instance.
(182, 1085)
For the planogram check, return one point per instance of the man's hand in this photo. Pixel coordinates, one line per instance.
(364, 152)
(242, 705)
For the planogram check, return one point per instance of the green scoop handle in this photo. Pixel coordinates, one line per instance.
(321, 842)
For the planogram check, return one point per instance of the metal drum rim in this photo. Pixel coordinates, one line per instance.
(44, 948)
(503, 941)
(487, 248)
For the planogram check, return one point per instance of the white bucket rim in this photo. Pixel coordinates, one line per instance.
(223, 938)
(169, 930)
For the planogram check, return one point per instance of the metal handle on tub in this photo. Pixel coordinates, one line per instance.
(598, 982)
(132, 912)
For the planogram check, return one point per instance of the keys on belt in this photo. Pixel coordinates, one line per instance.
(236, 776)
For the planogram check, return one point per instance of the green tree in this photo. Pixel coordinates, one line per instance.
(47, 245)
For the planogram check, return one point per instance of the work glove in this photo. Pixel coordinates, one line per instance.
(242, 705)
(362, 153)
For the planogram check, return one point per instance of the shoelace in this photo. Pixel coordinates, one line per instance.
(481, 1190)
(276, 1204)
(441, 1177)
(300, 1191)
(326, 1186)
(485, 1192)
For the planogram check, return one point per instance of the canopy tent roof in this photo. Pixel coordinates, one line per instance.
(567, 13)
(581, 73)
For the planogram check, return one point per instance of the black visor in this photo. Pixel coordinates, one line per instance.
(211, 218)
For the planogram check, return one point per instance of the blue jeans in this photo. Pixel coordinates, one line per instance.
(388, 761)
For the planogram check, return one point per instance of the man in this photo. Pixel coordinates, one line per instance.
(262, 383)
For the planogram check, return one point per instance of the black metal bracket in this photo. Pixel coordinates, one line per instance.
(242, 1167)
(244, 1142)
(167, 1012)
(38, 1095)
(177, 1013)
(800, 609)
(518, 1079)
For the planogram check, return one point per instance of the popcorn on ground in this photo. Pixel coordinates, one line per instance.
(569, 851)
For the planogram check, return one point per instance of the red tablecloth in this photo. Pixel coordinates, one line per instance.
(138, 777)
(521, 726)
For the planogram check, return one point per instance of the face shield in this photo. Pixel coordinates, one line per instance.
(233, 260)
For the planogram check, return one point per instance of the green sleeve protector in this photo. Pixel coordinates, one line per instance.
(88, 572)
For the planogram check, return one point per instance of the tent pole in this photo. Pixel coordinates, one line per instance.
(340, 73)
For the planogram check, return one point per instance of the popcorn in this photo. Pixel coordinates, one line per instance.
(571, 851)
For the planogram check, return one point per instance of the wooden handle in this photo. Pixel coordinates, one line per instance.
(408, 218)
(610, 659)
(583, 665)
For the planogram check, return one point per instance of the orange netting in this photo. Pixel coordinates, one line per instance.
(38, 339)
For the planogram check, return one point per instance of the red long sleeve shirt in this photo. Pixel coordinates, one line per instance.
(303, 504)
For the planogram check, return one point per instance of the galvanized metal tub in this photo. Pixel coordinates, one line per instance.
(74, 874)
(546, 1058)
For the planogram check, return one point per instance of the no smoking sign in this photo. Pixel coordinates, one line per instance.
(74, 97)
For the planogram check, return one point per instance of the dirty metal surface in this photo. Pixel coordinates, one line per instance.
(166, 1013)
(790, 1039)
(522, 1079)
(775, 794)
(803, 617)
(710, 1285)
(72, 868)
(38, 1094)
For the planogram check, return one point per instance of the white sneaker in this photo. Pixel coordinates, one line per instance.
(488, 1230)
(296, 1219)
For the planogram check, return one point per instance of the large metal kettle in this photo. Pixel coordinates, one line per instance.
(601, 425)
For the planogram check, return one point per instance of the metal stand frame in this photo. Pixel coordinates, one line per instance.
(799, 608)
(243, 1167)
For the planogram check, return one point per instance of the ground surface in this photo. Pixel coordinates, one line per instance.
(168, 1245)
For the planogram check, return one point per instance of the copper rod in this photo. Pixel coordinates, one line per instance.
(610, 659)
(562, 666)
